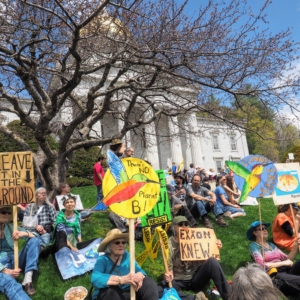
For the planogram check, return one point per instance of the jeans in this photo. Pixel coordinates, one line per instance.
(233, 210)
(210, 269)
(44, 239)
(201, 208)
(116, 222)
(99, 193)
(11, 288)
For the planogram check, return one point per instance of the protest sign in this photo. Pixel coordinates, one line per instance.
(161, 213)
(130, 186)
(288, 188)
(78, 205)
(71, 263)
(198, 244)
(254, 175)
(16, 178)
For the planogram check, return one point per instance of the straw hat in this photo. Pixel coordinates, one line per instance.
(110, 236)
(116, 142)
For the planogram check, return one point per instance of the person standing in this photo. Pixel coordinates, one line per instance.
(191, 172)
(98, 177)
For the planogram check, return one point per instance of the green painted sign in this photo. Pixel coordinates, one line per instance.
(161, 213)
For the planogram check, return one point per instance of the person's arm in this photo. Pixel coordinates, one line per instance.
(212, 195)
(226, 202)
(295, 249)
(288, 229)
(226, 188)
(22, 232)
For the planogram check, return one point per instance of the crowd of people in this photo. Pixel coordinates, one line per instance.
(191, 197)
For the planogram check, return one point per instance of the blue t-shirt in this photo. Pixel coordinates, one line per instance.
(220, 191)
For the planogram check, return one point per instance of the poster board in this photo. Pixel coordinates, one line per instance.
(78, 205)
(198, 244)
(288, 187)
(16, 178)
(161, 212)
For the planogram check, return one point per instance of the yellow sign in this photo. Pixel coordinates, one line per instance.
(16, 178)
(137, 191)
(198, 244)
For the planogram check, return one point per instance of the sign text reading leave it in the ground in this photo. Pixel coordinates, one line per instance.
(16, 178)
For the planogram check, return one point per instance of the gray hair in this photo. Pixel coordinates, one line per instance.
(38, 190)
(251, 283)
(107, 249)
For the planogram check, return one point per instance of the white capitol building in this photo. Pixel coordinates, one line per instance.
(205, 141)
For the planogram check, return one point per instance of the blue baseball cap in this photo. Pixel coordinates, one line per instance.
(253, 226)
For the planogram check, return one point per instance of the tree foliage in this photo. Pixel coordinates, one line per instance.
(127, 58)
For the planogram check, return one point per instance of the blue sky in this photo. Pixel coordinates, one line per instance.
(281, 15)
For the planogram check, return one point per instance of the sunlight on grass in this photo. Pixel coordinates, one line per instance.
(235, 251)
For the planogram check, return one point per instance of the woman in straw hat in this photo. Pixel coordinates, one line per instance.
(28, 258)
(111, 276)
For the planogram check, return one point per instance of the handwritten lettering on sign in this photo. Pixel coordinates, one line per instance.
(16, 178)
(198, 244)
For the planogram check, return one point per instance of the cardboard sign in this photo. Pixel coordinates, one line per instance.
(16, 178)
(288, 187)
(78, 205)
(161, 213)
(198, 244)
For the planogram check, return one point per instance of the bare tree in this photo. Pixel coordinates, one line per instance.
(135, 60)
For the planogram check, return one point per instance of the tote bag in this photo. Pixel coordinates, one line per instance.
(30, 222)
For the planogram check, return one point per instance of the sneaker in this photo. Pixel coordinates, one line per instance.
(220, 221)
(207, 223)
(200, 296)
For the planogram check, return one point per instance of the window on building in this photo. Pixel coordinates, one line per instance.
(215, 142)
(144, 138)
(233, 143)
(219, 165)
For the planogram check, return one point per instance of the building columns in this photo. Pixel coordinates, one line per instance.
(197, 156)
(175, 143)
(151, 141)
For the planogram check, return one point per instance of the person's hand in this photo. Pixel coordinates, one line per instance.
(288, 263)
(138, 279)
(236, 206)
(219, 244)
(13, 273)
(168, 276)
(74, 249)
(40, 229)
(17, 234)
(129, 279)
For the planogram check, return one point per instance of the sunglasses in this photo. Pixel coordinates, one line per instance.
(118, 243)
(180, 224)
(4, 212)
(262, 228)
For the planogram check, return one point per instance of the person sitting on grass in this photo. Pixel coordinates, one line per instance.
(252, 283)
(111, 276)
(46, 215)
(229, 209)
(201, 201)
(67, 232)
(233, 196)
(178, 207)
(283, 228)
(28, 258)
(276, 263)
(192, 275)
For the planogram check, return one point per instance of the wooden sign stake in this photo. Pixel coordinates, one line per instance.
(164, 258)
(132, 255)
(16, 246)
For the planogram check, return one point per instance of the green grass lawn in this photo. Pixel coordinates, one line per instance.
(235, 251)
